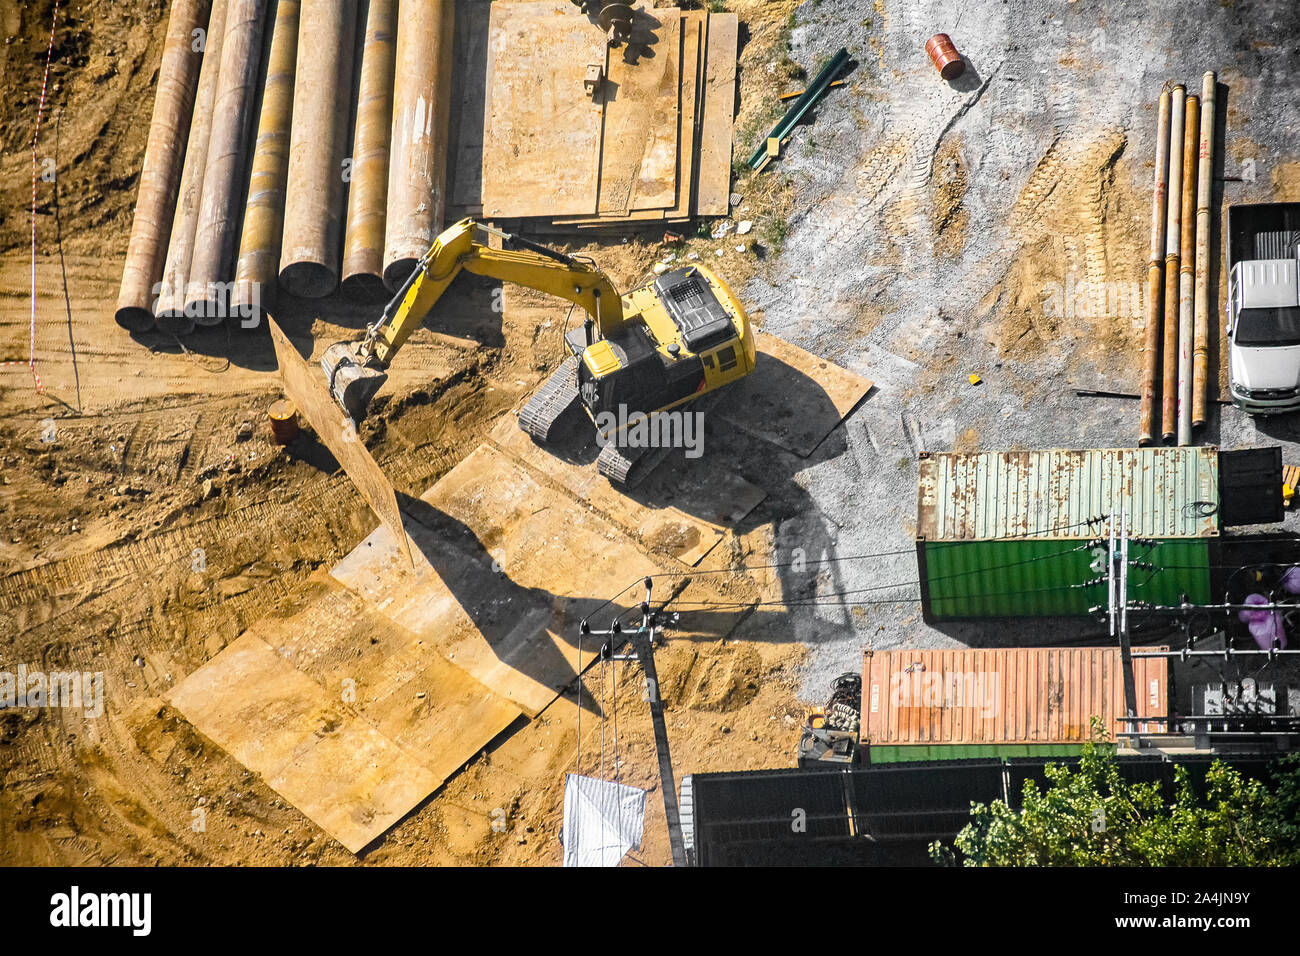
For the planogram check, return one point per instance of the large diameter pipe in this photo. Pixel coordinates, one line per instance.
(169, 310)
(1187, 267)
(417, 181)
(1201, 308)
(259, 242)
(363, 244)
(1173, 241)
(313, 209)
(208, 292)
(1155, 276)
(178, 76)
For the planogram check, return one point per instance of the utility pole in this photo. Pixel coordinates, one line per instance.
(642, 640)
(1125, 645)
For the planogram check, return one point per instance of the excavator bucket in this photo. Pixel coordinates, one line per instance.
(307, 390)
(352, 382)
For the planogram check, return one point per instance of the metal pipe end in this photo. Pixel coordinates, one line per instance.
(134, 319)
(175, 322)
(308, 280)
(398, 271)
(365, 288)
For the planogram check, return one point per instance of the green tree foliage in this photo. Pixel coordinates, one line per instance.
(1093, 817)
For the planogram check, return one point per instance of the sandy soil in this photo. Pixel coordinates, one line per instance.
(149, 518)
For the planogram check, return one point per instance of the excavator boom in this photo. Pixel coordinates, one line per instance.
(357, 370)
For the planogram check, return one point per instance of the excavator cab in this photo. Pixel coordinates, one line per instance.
(684, 335)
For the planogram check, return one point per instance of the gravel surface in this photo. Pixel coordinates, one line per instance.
(937, 227)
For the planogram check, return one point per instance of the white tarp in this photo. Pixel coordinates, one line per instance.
(602, 820)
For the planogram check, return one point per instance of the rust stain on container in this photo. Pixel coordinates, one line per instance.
(1004, 696)
(943, 54)
(284, 421)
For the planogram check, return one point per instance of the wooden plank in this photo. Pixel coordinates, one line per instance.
(305, 385)
(309, 746)
(541, 145)
(692, 87)
(639, 152)
(681, 141)
(505, 569)
(713, 197)
(705, 501)
(469, 105)
(401, 685)
(793, 399)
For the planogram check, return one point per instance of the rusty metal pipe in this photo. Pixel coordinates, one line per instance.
(1173, 239)
(1201, 307)
(1187, 267)
(178, 77)
(417, 179)
(207, 296)
(169, 309)
(1155, 276)
(259, 242)
(322, 107)
(363, 244)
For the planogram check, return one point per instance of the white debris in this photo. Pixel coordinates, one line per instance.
(661, 267)
(693, 256)
(722, 229)
(718, 253)
(744, 227)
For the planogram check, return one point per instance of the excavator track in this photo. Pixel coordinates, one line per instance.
(628, 467)
(549, 404)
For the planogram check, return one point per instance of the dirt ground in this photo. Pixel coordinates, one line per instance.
(149, 519)
(913, 232)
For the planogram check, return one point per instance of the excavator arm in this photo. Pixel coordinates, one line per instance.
(357, 370)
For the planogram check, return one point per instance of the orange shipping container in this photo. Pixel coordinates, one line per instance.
(1000, 701)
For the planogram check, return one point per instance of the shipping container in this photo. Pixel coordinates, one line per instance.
(1017, 534)
(1000, 702)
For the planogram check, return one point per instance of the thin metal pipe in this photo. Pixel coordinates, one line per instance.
(1173, 238)
(1155, 276)
(1187, 267)
(169, 309)
(363, 244)
(178, 77)
(1204, 223)
(259, 244)
(417, 178)
(313, 209)
(207, 296)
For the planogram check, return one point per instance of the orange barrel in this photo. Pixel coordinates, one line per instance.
(944, 56)
(284, 421)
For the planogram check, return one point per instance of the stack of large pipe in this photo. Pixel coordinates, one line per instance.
(226, 218)
(207, 295)
(363, 244)
(313, 208)
(1187, 267)
(169, 309)
(1155, 275)
(1177, 313)
(1204, 219)
(259, 243)
(418, 176)
(159, 177)
(1173, 240)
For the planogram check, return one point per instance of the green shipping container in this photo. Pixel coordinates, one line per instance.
(1013, 534)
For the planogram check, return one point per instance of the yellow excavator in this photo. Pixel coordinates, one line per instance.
(675, 339)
